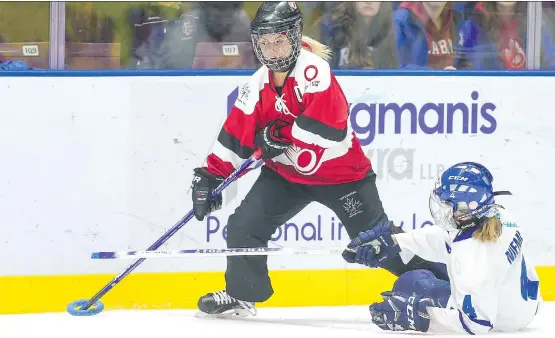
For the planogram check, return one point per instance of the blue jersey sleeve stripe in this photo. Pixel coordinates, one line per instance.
(481, 322)
(465, 327)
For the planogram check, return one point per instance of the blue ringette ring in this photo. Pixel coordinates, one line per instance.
(74, 308)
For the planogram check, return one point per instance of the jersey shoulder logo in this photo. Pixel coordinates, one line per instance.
(245, 99)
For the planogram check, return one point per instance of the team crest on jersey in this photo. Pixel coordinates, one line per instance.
(305, 161)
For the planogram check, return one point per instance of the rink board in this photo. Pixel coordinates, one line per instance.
(154, 291)
(104, 163)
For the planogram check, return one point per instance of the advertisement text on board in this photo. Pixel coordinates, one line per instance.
(317, 228)
(369, 119)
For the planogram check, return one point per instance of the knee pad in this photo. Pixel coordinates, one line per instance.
(440, 271)
(425, 284)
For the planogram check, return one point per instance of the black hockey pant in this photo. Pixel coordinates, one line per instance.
(273, 201)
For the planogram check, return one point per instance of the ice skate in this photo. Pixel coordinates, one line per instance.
(221, 305)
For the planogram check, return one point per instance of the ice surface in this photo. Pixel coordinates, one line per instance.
(313, 322)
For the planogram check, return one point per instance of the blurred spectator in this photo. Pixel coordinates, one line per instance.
(548, 13)
(313, 12)
(89, 38)
(466, 8)
(84, 23)
(212, 35)
(361, 35)
(328, 21)
(427, 34)
(148, 33)
(497, 32)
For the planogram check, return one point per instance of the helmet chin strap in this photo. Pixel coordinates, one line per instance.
(463, 225)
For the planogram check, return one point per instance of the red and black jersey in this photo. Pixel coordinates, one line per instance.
(325, 149)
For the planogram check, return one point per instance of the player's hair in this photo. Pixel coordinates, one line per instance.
(316, 47)
(490, 230)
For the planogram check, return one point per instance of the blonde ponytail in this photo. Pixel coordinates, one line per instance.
(490, 230)
(316, 47)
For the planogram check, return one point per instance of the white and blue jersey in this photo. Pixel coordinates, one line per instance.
(493, 286)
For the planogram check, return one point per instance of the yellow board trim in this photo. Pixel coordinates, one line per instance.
(36, 294)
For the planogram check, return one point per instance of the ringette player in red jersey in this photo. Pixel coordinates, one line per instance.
(295, 111)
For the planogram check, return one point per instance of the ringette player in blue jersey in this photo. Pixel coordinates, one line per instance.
(492, 286)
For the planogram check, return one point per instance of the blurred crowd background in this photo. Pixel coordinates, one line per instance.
(209, 35)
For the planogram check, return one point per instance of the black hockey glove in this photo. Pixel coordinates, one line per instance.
(203, 186)
(269, 140)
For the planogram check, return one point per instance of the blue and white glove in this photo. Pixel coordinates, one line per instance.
(400, 312)
(372, 248)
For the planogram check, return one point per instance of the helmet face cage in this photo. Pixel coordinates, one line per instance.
(283, 63)
(442, 212)
(451, 216)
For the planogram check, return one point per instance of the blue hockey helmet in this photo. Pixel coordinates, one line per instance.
(462, 195)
